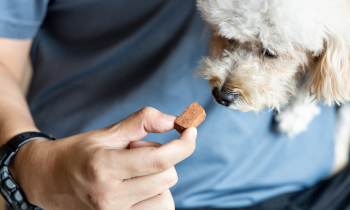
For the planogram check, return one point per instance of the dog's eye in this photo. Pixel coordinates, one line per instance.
(231, 41)
(268, 53)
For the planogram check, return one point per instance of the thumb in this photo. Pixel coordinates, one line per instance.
(139, 124)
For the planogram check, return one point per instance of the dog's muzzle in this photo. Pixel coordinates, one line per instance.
(224, 96)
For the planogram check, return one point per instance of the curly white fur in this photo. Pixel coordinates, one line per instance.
(307, 39)
(281, 24)
(296, 117)
(310, 37)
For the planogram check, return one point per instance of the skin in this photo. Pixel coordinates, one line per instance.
(108, 168)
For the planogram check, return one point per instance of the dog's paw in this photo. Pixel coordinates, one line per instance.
(296, 118)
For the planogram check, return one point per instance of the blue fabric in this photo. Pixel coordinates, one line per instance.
(96, 62)
(21, 19)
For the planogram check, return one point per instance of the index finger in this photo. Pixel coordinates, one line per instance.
(139, 124)
(149, 160)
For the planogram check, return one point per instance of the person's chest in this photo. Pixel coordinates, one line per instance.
(79, 21)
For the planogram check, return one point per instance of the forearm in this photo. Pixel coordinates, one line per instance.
(15, 116)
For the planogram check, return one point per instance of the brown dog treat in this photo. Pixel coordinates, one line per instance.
(193, 116)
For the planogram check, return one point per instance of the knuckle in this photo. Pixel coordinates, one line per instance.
(99, 201)
(95, 170)
(101, 206)
(172, 178)
(147, 111)
(161, 164)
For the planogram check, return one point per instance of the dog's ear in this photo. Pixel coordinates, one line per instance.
(217, 44)
(329, 78)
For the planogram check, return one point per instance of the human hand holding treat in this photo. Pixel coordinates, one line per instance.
(107, 168)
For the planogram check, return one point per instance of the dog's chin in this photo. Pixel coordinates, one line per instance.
(243, 104)
(240, 105)
(242, 108)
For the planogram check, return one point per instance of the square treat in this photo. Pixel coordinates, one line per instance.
(193, 116)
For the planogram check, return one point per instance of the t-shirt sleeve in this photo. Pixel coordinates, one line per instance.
(21, 19)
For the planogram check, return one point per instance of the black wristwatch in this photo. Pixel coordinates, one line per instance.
(8, 187)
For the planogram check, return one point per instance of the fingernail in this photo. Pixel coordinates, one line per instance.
(170, 117)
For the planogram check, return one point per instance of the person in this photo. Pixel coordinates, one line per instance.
(96, 65)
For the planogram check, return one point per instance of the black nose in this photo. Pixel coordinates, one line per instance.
(223, 97)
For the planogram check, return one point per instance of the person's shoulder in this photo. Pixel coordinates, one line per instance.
(21, 19)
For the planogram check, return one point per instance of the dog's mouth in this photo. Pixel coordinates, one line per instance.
(225, 96)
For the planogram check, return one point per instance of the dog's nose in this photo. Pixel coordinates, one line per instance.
(223, 97)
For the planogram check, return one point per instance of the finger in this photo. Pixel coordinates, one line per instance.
(159, 202)
(139, 124)
(145, 187)
(144, 161)
(137, 144)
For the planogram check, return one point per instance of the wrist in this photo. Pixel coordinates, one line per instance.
(25, 165)
(22, 157)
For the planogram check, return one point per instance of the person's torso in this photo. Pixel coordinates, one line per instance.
(96, 62)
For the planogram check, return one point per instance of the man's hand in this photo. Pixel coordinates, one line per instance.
(108, 168)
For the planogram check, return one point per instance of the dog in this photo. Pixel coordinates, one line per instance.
(282, 54)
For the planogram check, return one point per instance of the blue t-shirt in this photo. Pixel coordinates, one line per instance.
(96, 62)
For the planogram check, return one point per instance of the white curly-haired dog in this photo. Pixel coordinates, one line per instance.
(282, 54)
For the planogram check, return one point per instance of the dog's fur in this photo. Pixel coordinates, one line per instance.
(286, 54)
(308, 37)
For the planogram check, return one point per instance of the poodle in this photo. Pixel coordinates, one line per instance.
(282, 54)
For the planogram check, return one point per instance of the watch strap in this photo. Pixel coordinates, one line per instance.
(11, 147)
(8, 187)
